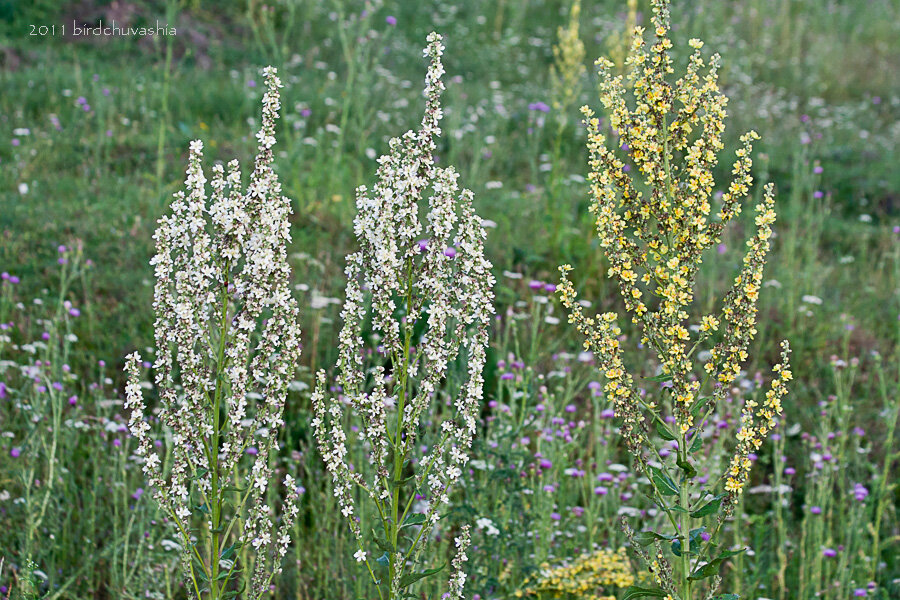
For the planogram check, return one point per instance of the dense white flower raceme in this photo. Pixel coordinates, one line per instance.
(427, 287)
(226, 332)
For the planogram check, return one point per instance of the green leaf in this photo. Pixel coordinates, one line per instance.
(699, 404)
(727, 597)
(709, 508)
(414, 519)
(663, 430)
(645, 538)
(686, 466)
(693, 534)
(636, 591)
(411, 578)
(395, 483)
(201, 575)
(665, 484)
(235, 593)
(229, 551)
(696, 444)
(660, 378)
(676, 549)
(383, 559)
(712, 567)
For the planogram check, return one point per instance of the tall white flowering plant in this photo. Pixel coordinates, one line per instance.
(227, 342)
(426, 289)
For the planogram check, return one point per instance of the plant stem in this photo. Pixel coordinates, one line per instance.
(685, 526)
(215, 494)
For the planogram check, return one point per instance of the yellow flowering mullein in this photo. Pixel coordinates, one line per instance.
(566, 75)
(654, 235)
(591, 576)
(568, 64)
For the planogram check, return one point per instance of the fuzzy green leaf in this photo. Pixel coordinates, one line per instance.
(660, 378)
(709, 508)
(636, 591)
(665, 484)
(411, 578)
(699, 404)
(696, 444)
(229, 551)
(686, 466)
(712, 567)
(645, 538)
(663, 430)
(414, 519)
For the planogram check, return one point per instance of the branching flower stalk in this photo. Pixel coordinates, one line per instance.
(427, 289)
(654, 235)
(227, 340)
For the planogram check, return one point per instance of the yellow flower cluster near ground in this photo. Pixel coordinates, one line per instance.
(591, 576)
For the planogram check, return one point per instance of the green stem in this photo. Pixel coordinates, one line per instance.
(399, 455)
(215, 507)
(685, 526)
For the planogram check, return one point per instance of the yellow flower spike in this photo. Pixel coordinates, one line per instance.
(568, 68)
(654, 233)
